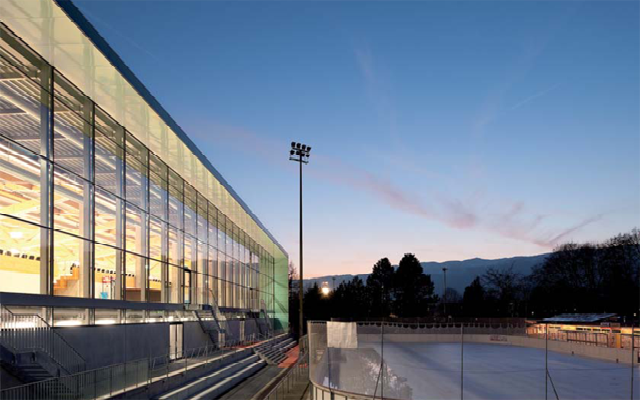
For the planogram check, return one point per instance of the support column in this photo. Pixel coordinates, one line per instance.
(120, 228)
(46, 180)
(164, 274)
(87, 218)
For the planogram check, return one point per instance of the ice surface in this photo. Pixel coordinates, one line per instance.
(433, 371)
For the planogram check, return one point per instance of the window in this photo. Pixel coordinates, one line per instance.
(19, 182)
(19, 256)
(106, 259)
(69, 260)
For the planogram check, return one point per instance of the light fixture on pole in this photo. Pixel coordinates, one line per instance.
(300, 153)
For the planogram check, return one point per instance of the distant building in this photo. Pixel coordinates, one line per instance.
(582, 318)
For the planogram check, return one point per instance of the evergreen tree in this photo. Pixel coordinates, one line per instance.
(413, 289)
(379, 285)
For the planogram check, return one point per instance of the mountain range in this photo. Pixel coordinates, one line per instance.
(459, 273)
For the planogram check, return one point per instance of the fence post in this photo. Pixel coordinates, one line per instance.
(462, 361)
(632, 359)
(546, 358)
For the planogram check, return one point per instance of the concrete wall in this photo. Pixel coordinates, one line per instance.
(113, 344)
(103, 345)
(194, 336)
(602, 353)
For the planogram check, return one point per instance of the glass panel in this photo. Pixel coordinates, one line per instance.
(202, 272)
(107, 317)
(200, 288)
(105, 272)
(189, 210)
(70, 316)
(19, 256)
(68, 201)
(155, 282)
(134, 277)
(20, 116)
(135, 223)
(136, 179)
(176, 212)
(71, 127)
(19, 182)
(189, 252)
(174, 284)
(175, 242)
(155, 316)
(158, 196)
(108, 163)
(106, 217)
(176, 207)
(134, 316)
(108, 127)
(68, 255)
(155, 238)
(186, 287)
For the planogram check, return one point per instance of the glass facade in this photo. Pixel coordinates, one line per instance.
(88, 210)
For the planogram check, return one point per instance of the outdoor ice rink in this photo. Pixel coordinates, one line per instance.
(433, 371)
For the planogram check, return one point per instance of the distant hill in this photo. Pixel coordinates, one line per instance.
(459, 273)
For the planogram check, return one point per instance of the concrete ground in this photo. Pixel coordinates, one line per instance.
(416, 371)
(248, 388)
(257, 386)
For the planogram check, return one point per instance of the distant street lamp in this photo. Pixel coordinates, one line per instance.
(444, 292)
(325, 289)
(300, 153)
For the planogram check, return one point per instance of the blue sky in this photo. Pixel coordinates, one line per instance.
(451, 130)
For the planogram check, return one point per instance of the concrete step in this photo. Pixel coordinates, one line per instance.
(208, 380)
(229, 382)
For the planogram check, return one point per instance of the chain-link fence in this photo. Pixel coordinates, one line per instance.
(456, 361)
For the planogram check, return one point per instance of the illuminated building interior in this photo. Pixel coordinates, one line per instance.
(96, 204)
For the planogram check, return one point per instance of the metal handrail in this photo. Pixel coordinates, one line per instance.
(73, 350)
(29, 332)
(116, 378)
(296, 373)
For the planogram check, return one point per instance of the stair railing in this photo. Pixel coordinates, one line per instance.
(22, 333)
(263, 309)
(217, 314)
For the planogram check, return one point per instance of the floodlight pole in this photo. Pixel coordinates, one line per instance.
(300, 154)
(301, 290)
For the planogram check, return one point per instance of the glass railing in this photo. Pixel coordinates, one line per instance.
(404, 361)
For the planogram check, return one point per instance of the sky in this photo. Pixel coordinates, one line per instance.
(448, 129)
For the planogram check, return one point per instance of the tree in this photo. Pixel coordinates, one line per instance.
(413, 289)
(294, 302)
(350, 300)
(504, 289)
(452, 296)
(379, 285)
(473, 300)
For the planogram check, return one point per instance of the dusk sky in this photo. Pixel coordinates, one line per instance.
(451, 130)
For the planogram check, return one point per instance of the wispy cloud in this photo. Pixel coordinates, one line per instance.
(493, 106)
(563, 235)
(535, 96)
(377, 88)
(513, 220)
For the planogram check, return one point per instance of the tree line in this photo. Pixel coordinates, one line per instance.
(584, 277)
